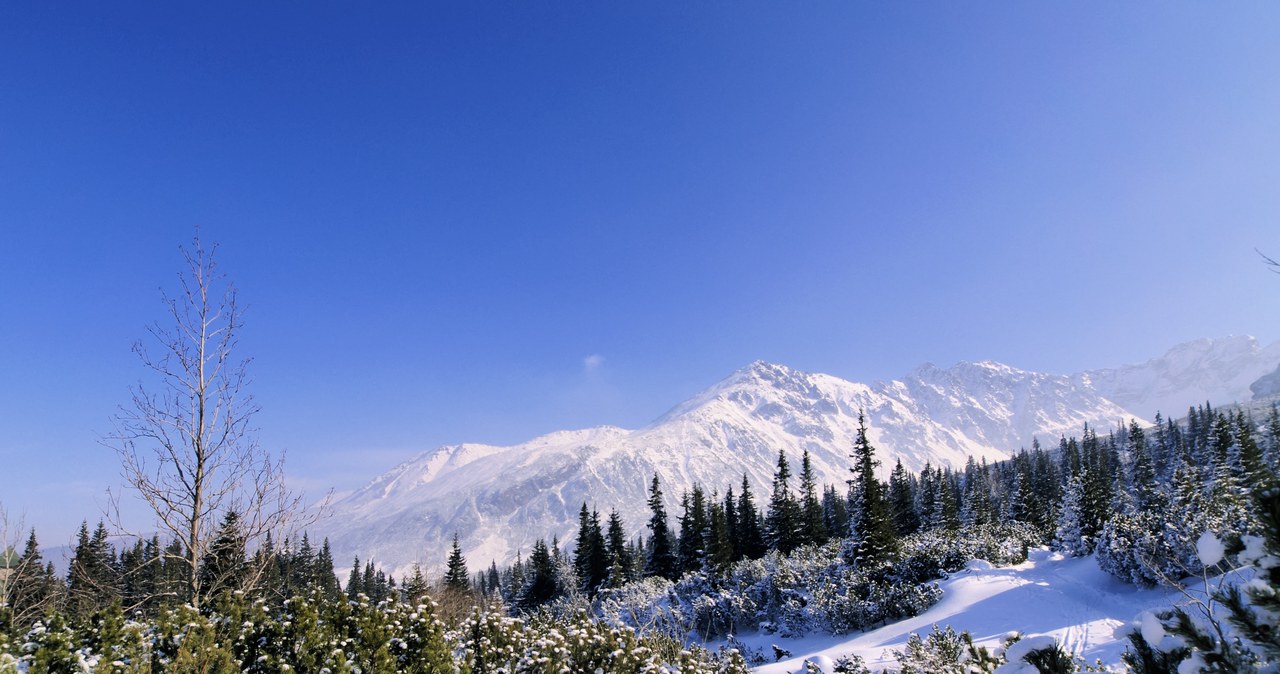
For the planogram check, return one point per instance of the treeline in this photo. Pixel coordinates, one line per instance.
(1139, 496)
(149, 577)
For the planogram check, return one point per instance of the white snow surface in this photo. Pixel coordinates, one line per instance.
(499, 500)
(1047, 598)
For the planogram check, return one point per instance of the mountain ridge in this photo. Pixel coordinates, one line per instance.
(500, 499)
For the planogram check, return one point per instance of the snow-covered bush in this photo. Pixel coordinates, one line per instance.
(1236, 626)
(943, 651)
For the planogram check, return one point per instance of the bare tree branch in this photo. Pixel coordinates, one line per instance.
(1270, 262)
(187, 446)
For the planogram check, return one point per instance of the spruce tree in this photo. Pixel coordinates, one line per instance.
(93, 578)
(732, 528)
(750, 532)
(456, 576)
(621, 569)
(661, 559)
(355, 581)
(902, 500)
(1071, 536)
(835, 512)
(813, 527)
(691, 544)
(1143, 488)
(324, 578)
(223, 569)
(540, 582)
(33, 589)
(1272, 437)
(875, 542)
(719, 544)
(416, 588)
(782, 519)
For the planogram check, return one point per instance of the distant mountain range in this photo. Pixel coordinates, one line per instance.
(499, 500)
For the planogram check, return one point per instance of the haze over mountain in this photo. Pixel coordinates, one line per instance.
(499, 500)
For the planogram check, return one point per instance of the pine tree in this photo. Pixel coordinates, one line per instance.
(355, 581)
(902, 500)
(33, 589)
(93, 578)
(621, 570)
(835, 512)
(661, 558)
(945, 511)
(733, 530)
(750, 532)
(456, 576)
(540, 583)
(813, 528)
(324, 577)
(223, 569)
(416, 588)
(782, 519)
(1253, 466)
(874, 541)
(1070, 536)
(691, 546)
(1272, 437)
(1143, 489)
(719, 543)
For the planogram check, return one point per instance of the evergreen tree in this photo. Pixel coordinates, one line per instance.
(1253, 466)
(926, 497)
(324, 578)
(1143, 488)
(975, 504)
(621, 569)
(719, 544)
(416, 588)
(456, 576)
(732, 528)
(493, 581)
(813, 527)
(93, 578)
(223, 569)
(540, 583)
(750, 532)
(902, 500)
(355, 581)
(33, 589)
(691, 545)
(835, 511)
(782, 519)
(1071, 537)
(661, 559)
(945, 511)
(874, 540)
(1272, 437)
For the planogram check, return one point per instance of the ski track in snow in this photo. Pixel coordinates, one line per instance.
(1069, 599)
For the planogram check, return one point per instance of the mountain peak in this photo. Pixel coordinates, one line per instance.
(503, 498)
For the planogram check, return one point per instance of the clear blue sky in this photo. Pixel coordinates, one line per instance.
(483, 221)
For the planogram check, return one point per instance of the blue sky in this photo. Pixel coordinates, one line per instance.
(484, 221)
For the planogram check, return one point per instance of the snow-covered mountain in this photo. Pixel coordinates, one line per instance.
(1216, 370)
(499, 500)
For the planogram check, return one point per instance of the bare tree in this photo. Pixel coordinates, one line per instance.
(186, 441)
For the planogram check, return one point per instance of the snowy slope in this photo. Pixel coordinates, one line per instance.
(1069, 599)
(501, 499)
